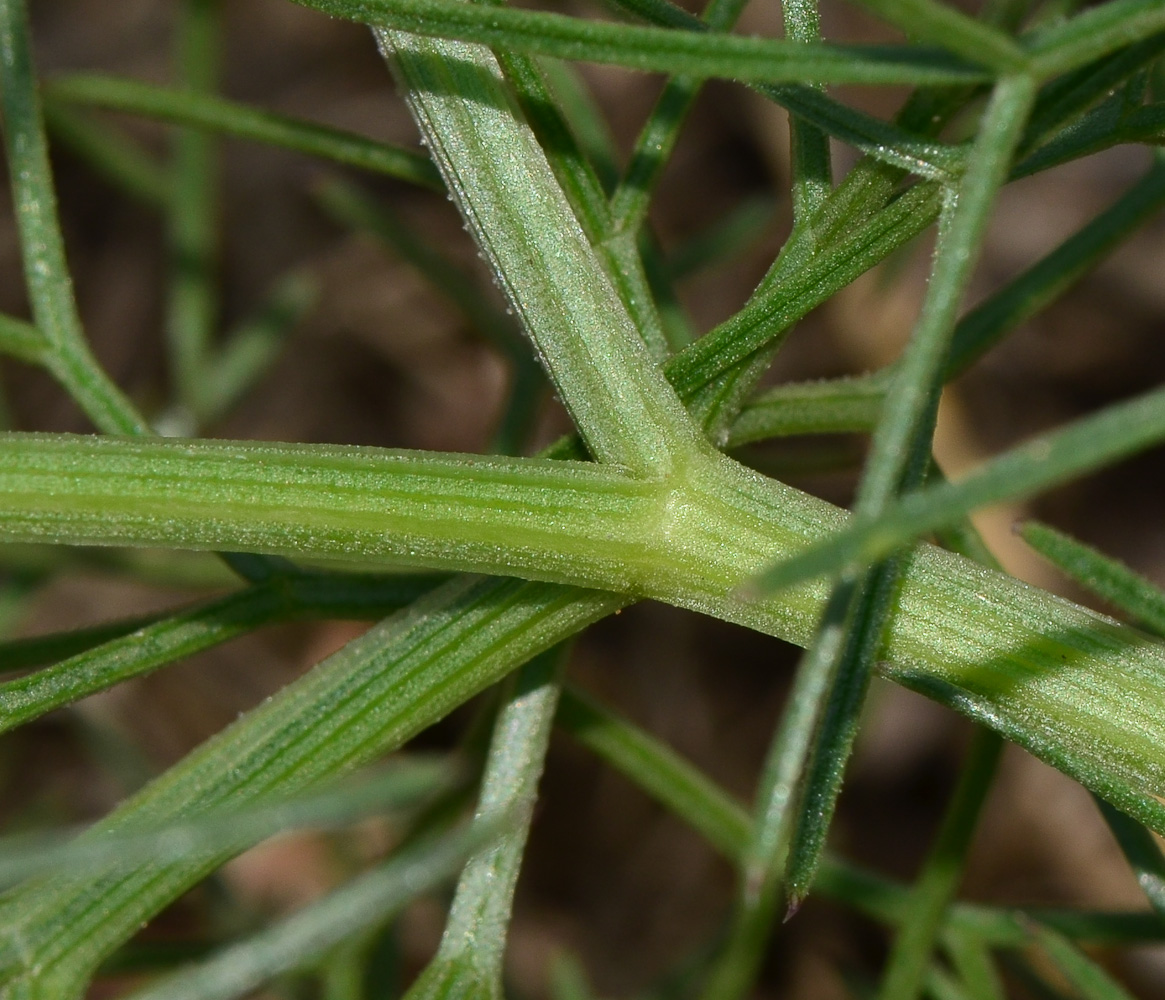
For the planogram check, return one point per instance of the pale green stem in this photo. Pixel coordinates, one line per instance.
(618, 398)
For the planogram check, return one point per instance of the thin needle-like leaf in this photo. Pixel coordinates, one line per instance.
(656, 49)
(853, 404)
(217, 114)
(136, 648)
(22, 340)
(192, 305)
(1092, 34)
(898, 456)
(1143, 854)
(50, 289)
(306, 936)
(932, 893)
(973, 961)
(1092, 982)
(408, 783)
(972, 38)
(469, 959)
(1040, 464)
(1125, 589)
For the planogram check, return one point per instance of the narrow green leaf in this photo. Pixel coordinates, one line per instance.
(192, 216)
(800, 282)
(780, 797)
(1092, 982)
(407, 783)
(898, 460)
(42, 650)
(973, 962)
(102, 657)
(658, 137)
(908, 412)
(22, 340)
(1092, 34)
(879, 139)
(368, 698)
(852, 404)
(830, 406)
(658, 770)
(469, 959)
(975, 40)
(138, 652)
(1040, 464)
(941, 985)
(656, 49)
(864, 607)
(1104, 576)
(111, 153)
(1065, 99)
(932, 893)
(254, 345)
(50, 289)
(811, 167)
(585, 120)
(1142, 853)
(212, 113)
(306, 936)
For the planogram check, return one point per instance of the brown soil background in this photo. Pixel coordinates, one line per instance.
(383, 361)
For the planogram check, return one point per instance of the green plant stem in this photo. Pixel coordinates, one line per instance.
(687, 544)
(212, 113)
(50, 290)
(584, 190)
(656, 49)
(618, 398)
(931, 895)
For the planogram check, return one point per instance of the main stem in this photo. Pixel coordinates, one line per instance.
(1073, 687)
